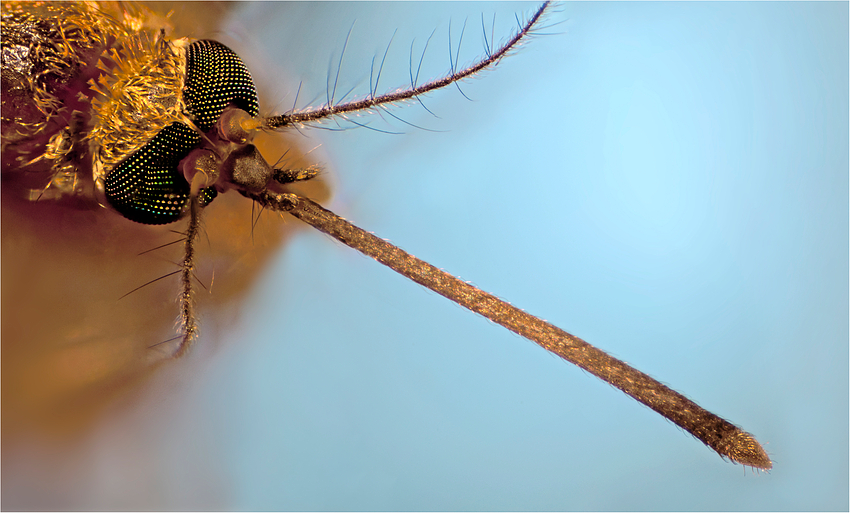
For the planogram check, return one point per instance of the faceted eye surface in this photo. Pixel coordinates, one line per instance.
(216, 77)
(148, 187)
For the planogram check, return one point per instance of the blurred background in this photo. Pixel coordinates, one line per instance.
(668, 181)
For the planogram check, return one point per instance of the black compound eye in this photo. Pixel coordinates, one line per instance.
(148, 187)
(216, 77)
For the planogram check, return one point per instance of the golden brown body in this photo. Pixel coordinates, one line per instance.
(70, 345)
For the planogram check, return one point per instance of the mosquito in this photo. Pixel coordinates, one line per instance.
(157, 157)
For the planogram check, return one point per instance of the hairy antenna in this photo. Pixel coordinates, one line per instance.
(372, 102)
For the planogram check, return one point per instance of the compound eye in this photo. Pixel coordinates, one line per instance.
(148, 186)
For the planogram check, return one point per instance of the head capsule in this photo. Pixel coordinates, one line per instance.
(164, 102)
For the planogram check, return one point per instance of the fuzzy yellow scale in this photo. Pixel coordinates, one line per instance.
(54, 55)
(138, 96)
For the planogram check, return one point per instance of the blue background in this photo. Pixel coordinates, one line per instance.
(668, 181)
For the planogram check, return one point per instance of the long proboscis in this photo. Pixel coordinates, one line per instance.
(728, 440)
(374, 102)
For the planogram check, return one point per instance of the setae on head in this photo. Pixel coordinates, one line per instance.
(152, 184)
